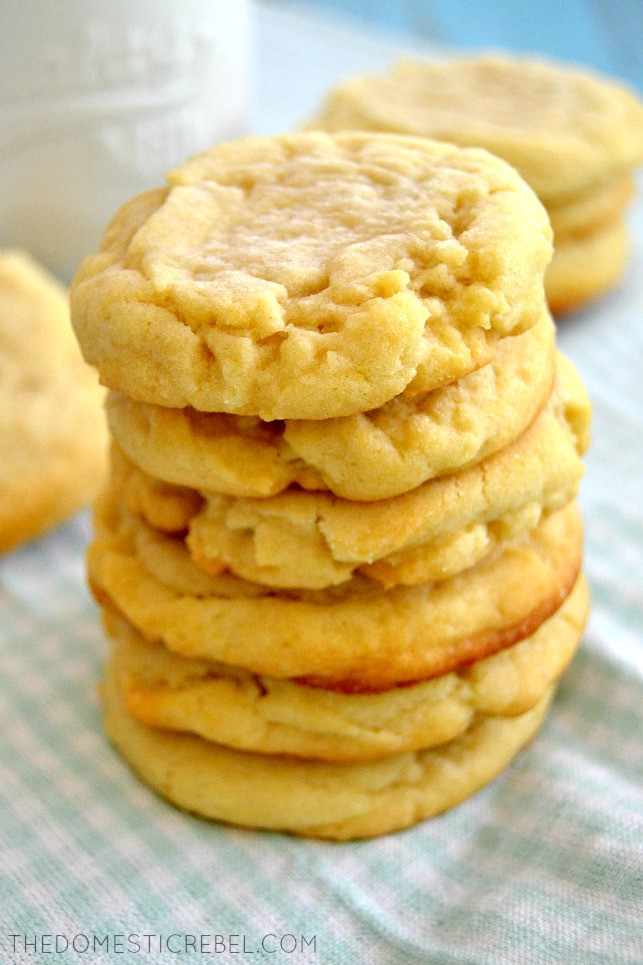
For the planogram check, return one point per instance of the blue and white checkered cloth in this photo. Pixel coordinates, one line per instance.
(544, 865)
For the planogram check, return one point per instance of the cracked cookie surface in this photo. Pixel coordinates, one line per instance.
(312, 276)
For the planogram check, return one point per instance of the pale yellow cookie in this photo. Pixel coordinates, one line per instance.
(166, 557)
(270, 716)
(463, 512)
(357, 637)
(435, 531)
(312, 276)
(564, 129)
(316, 798)
(234, 455)
(585, 267)
(53, 437)
(291, 551)
(373, 455)
(329, 558)
(583, 214)
(311, 540)
(430, 562)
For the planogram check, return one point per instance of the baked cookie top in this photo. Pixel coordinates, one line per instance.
(562, 128)
(53, 436)
(312, 276)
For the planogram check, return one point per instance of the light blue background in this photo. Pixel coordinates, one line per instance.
(606, 35)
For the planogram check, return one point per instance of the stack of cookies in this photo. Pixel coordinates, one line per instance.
(573, 136)
(339, 554)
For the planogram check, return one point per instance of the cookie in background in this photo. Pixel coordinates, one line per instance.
(574, 136)
(53, 436)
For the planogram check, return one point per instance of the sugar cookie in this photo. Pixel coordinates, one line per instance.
(312, 276)
(315, 798)
(53, 435)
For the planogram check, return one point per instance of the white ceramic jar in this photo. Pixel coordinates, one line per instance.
(98, 100)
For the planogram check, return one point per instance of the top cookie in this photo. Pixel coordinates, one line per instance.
(53, 436)
(312, 276)
(563, 129)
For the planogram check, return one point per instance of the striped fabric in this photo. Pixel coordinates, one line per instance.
(544, 865)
